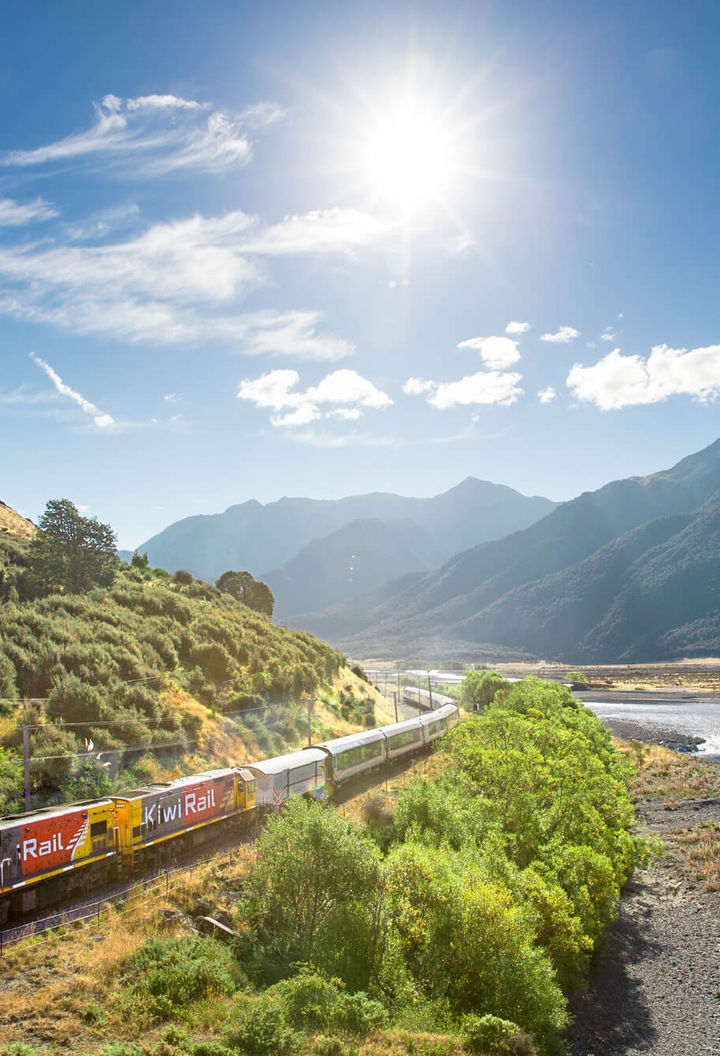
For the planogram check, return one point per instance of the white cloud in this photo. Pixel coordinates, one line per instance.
(495, 352)
(485, 387)
(320, 231)
(517, 328)
(608, 334)
(563, 336)
(172, 397)
(167, 284)
(618, 381)
(156, 135)
(101, 420)
(15, 214)
(547, 395)
(417, 386)
(345, 391)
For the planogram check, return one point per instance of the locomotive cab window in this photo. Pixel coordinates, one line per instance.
(98, 828)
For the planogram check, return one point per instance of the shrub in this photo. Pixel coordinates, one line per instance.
(260, 1029)
(313, 1001)
(165, 976)
(492, 1036)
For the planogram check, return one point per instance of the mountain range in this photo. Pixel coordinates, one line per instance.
(629, 572)
(315, 553)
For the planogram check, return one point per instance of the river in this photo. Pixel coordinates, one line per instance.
(693, 718)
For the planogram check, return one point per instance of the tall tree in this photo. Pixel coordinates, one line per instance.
(73, 553)
(250, 591)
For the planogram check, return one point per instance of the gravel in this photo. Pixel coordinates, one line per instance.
(655, 989)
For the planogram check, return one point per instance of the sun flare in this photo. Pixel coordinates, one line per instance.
(409, 156)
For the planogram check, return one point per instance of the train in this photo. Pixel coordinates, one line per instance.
(424, 698)
(50, 854)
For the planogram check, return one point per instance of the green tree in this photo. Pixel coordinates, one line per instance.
(478, 688)
(250, 591)
(72, 553)
(139, 560)
(314, 894)
(11, 782)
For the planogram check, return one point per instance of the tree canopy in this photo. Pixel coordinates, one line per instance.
(478, 688)
(250, 591)
(72, 553)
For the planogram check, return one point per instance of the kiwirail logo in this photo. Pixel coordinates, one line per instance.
(199, 804)
(31, 848)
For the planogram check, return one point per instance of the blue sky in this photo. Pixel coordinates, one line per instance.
(254, 250)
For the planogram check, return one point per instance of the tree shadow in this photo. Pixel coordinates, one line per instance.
(612, 1015)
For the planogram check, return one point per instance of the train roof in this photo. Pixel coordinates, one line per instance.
(292, 761)
(439, 713)
(350, 740)
(12, 820)
(400, 727)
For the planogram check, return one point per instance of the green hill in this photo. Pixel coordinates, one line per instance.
(175, 671)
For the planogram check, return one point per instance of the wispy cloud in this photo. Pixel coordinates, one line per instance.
(341, 394)
(320, 231)
(608, 334)
(101, 420)
(618, 381)
(547, 395)
(495, 352)
(514, 327)
(15, 214)
(485, 387)
(180, 282)
(563, 336)
(157, 134)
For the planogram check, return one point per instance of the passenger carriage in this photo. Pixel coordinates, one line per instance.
(295, 774)
(354, 754)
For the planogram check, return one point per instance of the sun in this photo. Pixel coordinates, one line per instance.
(409, 157)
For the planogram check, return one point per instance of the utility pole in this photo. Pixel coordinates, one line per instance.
(430, 690)
(26, 764)
(396, 714)
(309, 717)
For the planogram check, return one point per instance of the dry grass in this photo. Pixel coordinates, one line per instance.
(672, 776)
(699, 851)
(64, 987)
(12, 523)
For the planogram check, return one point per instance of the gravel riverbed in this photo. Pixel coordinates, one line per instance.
(655, 989)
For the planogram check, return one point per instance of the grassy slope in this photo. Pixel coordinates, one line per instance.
(153, 662)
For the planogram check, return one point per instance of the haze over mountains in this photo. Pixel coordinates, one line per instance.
(314, 553)
(630, 572)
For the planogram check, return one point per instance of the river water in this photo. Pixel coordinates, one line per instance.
(696, 718)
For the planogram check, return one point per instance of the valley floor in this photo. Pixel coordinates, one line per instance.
(655, 990)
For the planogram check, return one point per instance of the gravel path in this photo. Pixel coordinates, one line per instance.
(655, 990)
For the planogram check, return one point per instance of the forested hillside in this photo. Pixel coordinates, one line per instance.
(156, 662)
(628, 572)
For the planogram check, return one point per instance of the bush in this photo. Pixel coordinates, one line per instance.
(261, 1029)
(165, 976)
(492, 1036)
(313, 1001)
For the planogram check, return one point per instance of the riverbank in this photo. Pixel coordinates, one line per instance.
(653, 990)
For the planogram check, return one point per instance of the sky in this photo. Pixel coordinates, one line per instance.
(254, 250)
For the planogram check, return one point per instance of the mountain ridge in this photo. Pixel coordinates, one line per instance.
(484, 594)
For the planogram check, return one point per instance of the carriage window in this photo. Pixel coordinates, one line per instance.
(98, 828)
